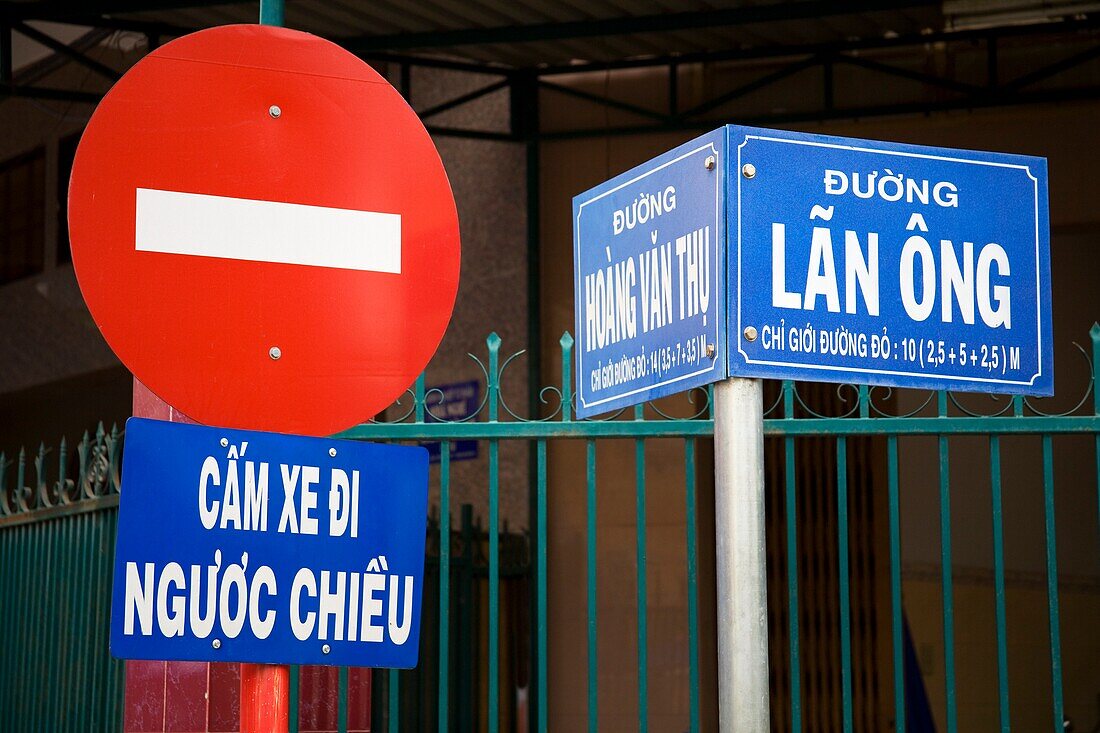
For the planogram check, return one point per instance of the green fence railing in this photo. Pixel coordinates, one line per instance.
(57, 543)
(840, 464)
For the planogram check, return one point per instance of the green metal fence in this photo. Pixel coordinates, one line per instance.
(55, 539)
(57, 543)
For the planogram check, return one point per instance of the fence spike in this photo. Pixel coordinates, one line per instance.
(62, 475)
(418, 398)
(493, 388)
(41, 485)
(566, 377)
(5, 507)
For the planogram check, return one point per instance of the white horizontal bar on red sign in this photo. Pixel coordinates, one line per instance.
(202, 225)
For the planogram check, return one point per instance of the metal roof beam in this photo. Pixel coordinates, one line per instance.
(780, 51)
(752, 86)
(101, 15)
(432, 62)
(939, 81)
(980, 101)
(67, 51)
(62, 11)
(462, 99)
(604, 101)
(1053, 69)
(769, 13)
(59, 95)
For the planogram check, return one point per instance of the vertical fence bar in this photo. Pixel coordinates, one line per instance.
(999, 582)
(946, 568)
(640, 536)
(83, 720)
(792, 563)
(41, 661)
(70, 606)
(9, 662)
(59, 533)
(692, 586)
(845, 589)
(1052, 584)
(541, 620)
(292, 699)
(897, 610)
(29, 633)
(342, 700)
(493, 712)
(23, 581)
(590, 535)
(6, 611)
(444, 585)
(96, 612)
(393, 706)
(50, 617)
(116, 664)
(1094, 334)
(99, 579)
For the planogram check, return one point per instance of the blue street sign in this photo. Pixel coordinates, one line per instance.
(242, 546)
(848, 261)
(882, 263)
(454, 402)
(650, 279)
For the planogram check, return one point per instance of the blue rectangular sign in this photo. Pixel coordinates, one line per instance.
(649, 258)
(882, 263)
(848, 261)
(244, 546)
(455, 402)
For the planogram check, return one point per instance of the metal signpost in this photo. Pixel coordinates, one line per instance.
(828, 259)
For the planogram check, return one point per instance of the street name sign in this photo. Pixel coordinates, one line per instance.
(649, 255)
(263, 231)
(882, 263)
(248, 546)
(845, 260)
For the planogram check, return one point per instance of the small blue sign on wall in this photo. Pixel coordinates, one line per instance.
(244, 546)
(456, 402)
(783, 255)
(650, 279)
(881, 263)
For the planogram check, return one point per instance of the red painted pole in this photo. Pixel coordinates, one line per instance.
(265, 698)
(265, 688)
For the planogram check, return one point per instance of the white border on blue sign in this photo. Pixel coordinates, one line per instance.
(829, 367)
(718, 209)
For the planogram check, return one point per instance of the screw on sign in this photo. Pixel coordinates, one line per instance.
(263, 231)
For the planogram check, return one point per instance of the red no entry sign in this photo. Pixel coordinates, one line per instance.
(263, 231)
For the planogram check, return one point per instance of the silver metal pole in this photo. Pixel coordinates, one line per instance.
(742, 576)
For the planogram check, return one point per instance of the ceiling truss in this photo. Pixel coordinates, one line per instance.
(881, 57)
